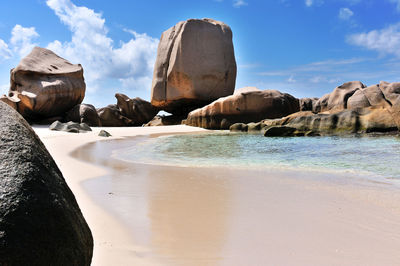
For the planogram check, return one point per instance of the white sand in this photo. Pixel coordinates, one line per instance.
(230, 217)
(112, 243)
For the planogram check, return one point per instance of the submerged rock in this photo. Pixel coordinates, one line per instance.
(40, 220)
(195, 65)
(45, 85)
(245, 107)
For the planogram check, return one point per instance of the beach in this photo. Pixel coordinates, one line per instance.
(148, 214)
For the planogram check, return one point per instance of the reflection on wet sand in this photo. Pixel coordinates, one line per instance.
(225, 216)
(189, 215)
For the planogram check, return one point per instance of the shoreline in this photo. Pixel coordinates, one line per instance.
(118, 246)
(112, 244)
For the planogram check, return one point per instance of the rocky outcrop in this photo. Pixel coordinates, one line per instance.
(306, 104)
(245, 107)
(136, 109)
(366, 120)
(45, 85)
(337, 100)
(127, 112)
(166, 120)
(195, 65)
(84, 113)
(238, 127)
(40, 220)
(71, 127)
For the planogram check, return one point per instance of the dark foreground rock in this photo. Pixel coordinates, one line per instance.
(245, 107)
(40, 220)
(45, 85)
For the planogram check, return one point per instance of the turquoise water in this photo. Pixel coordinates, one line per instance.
(372, 156)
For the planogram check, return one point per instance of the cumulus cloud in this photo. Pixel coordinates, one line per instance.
(384, 41)
(131, 62)
(5, 52)
(21, 39)
(239, 3)
(345, 13)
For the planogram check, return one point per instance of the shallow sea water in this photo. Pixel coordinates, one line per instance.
(372, 156)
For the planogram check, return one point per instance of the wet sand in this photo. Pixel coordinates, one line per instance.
(226, 216)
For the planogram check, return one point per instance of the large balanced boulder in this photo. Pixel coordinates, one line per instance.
(127, 112)
(195, 65)
(45, 85)
(251, 106)
(40, 220)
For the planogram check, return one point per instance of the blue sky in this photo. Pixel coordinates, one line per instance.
(303, 47)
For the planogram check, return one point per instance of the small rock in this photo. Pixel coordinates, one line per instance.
(280, 131)
(238, 127)
(104, 133)
(70, 127)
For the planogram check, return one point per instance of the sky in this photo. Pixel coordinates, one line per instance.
(302, 47)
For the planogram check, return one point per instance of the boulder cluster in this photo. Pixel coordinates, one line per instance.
(194, 80)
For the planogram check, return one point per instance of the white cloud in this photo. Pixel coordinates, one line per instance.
(239, 3)
(5, 52)
(21, 39)
(131, 63)
(384, 41)
(309, 2)
(345, 13)
(291, 79)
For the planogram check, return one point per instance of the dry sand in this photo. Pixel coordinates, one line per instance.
(160, 215)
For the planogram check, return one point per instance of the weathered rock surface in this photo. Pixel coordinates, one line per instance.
(366, 120)
(71, 127)
(306, 104)
(84, 113)
(40, 220)
(245, 107)
(104, 133)
(195, 65)
(166, 120)
(281, 131)
(127, 112)
(337, 100)
(45, 85)
(370, 96)
(238, 127)
(136, 109)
